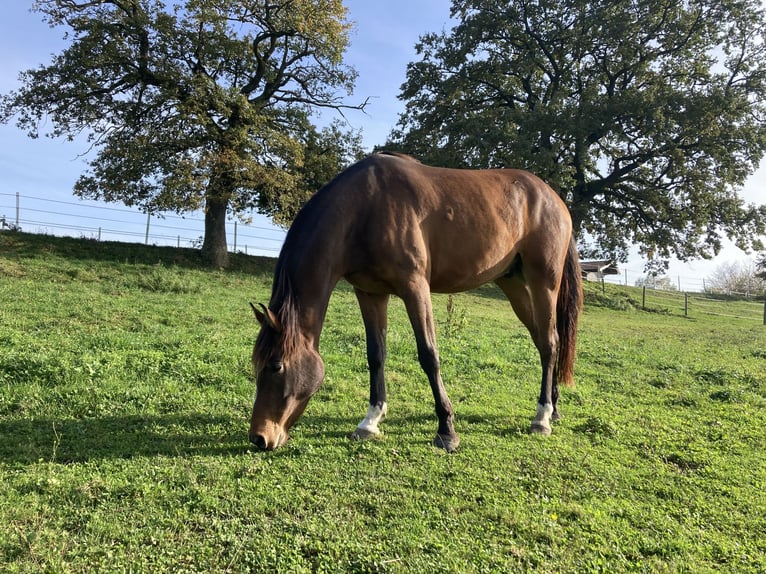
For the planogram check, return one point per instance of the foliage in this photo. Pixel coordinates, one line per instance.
(199, 104)
(736, 277)
(123, 433)
(326, 153)
(645, 116)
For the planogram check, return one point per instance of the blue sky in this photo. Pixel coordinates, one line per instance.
(381, 46)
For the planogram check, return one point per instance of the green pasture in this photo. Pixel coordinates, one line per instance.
(125, 394)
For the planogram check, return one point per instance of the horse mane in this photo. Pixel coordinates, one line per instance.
(397, 154)
(274, 345)
(279, 345)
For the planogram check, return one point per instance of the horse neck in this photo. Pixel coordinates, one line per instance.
(304, 281)
(312, 259)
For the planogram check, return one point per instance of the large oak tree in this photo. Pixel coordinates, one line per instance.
(647, 116)
(195, 104)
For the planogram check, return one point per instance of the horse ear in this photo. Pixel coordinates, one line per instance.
(258, 315)
(266, 317)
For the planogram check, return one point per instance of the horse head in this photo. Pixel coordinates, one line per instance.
(288, 371)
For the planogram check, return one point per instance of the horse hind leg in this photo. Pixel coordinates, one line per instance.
(374, 314)
(536, 308)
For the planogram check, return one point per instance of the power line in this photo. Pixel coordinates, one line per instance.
(145, 230)
(157, 214)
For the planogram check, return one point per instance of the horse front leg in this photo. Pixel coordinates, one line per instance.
(420, 312)
(374, 314)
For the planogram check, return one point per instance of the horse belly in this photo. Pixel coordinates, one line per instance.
(463, 257)
(457, 273)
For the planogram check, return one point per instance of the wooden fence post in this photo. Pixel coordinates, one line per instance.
(686, 304)
(643, 298)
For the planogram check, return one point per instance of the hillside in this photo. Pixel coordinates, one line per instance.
(125, 394)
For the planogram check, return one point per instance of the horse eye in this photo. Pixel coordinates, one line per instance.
(276, 366)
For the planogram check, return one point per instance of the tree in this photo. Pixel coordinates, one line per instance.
(325, 154)
(735, 278)
(195, 104)
(645, 116)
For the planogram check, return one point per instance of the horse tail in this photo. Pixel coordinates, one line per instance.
(568, 309)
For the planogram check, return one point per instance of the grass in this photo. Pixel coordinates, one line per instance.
(125, 391)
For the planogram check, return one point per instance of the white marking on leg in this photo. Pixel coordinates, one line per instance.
(375, 414)
(544, 412)
(542, 420)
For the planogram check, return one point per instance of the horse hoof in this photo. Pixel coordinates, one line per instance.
(447, 442)
(364, 434)
(541, 429)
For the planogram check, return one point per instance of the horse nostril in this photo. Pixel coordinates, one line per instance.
(259, 441)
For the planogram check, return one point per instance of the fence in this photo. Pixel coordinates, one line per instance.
(103, 223)
(635, 277)
(100, 222)
(696, 305)
(753, 289)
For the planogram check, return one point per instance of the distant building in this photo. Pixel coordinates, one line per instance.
(596, 270)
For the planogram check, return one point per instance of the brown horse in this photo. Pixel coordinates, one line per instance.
(391, 225)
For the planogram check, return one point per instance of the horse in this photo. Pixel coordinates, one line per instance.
(391, 225)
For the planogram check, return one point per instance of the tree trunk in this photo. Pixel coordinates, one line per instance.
(578, 212)
(214, 249)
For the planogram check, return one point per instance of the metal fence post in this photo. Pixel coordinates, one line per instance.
(17, 210)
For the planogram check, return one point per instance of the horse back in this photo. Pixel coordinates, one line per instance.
(458, 228)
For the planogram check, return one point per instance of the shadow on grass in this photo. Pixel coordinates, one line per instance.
(416, 427)
(28, 441)
(81, 440)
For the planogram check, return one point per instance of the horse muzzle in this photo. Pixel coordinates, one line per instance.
(269, 430)
(268, 441)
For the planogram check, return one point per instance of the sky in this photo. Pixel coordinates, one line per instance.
(382, 44)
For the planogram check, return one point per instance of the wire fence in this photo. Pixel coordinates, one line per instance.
(694, 305)
(681, 284)
(699, 304)
(105, 223)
